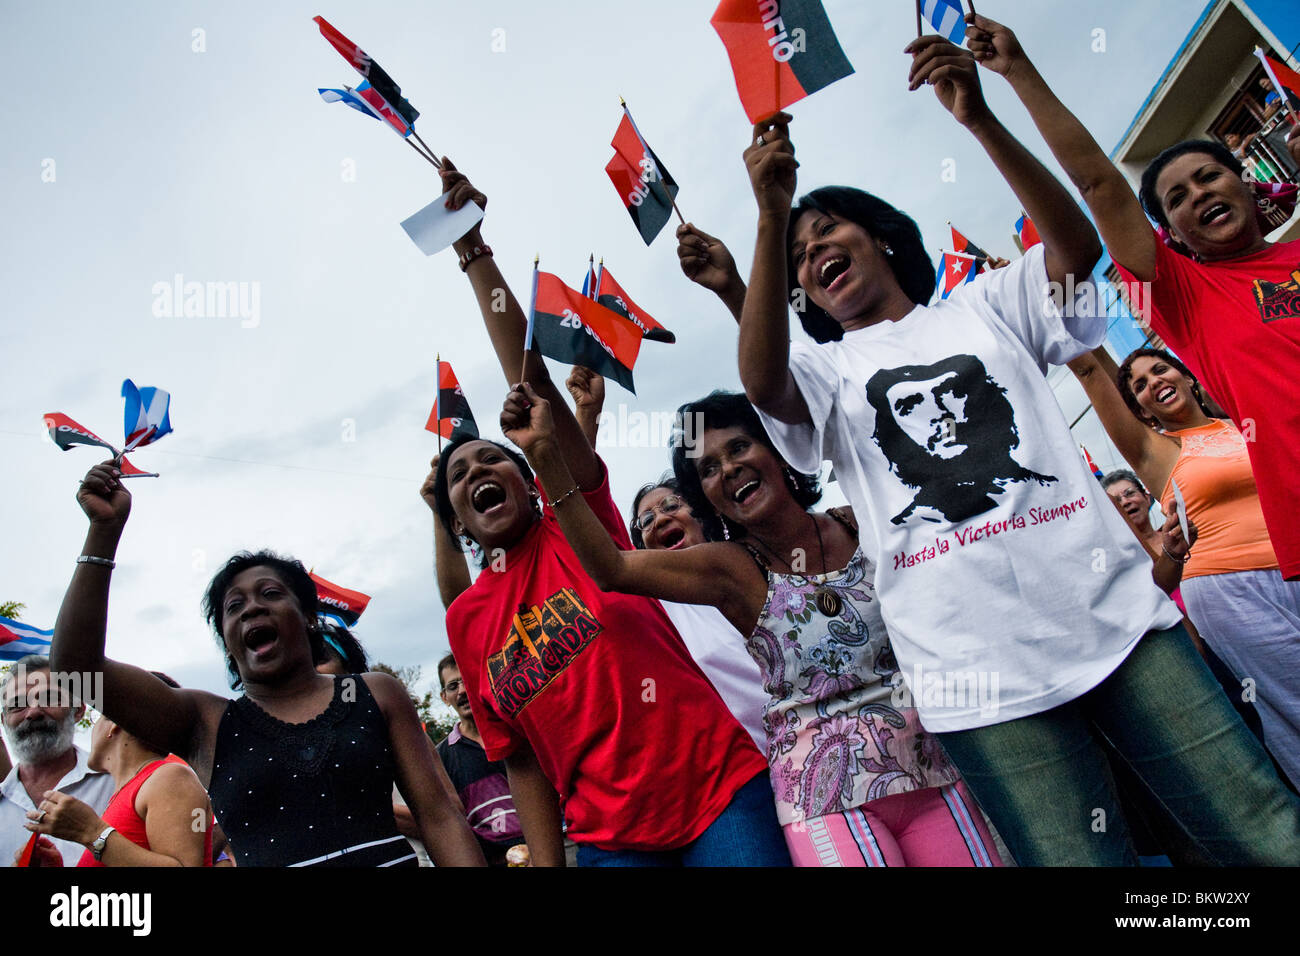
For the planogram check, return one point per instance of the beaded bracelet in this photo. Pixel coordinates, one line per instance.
(571, 491)
(467, 257)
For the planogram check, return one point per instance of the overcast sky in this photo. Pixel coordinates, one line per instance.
(152, 140)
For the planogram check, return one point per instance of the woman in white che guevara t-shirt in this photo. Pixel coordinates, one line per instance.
(1020, 607)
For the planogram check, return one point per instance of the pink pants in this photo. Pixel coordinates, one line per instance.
(937, 826)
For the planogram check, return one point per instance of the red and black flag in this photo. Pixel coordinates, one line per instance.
(646, 188)
(611, 295)
(780, 51)
(380, 81)
(66, 433)
(339, 602)
(567, 326)
(961, 244)
(451, 417)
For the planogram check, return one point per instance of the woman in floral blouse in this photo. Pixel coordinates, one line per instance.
(857, 781)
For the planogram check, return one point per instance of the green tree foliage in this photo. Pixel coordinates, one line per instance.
(438, 719)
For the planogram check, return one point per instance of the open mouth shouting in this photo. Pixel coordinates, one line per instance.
(487, 497)
(831, 270)
(671, 538)
(1165, 394)
(1215, 213)
(746, 492)
(260, 639)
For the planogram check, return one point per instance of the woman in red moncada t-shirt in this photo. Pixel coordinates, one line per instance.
(591, 699)
(1221, 296)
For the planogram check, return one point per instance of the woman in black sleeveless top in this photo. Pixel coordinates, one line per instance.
(300, 769)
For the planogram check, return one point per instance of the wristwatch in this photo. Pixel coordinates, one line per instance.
(97, 848)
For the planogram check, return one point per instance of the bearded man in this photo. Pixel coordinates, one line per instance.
(39, 722)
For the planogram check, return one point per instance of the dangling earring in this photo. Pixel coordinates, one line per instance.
(790, 479)
(887, 249)
(726, 532)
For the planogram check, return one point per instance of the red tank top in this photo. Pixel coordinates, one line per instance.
(121, 815)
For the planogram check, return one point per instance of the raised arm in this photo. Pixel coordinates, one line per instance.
(165, 717)
(1118, 214)
(538, 807)
(714, 574)
(1069, 239)
(506, 324)
(707, 262)
(765, 318)
(1151, 455)
(588, 391)
(449, 565)
(422, 780)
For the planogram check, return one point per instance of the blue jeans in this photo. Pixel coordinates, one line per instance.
(1045, 782)
(747, 833)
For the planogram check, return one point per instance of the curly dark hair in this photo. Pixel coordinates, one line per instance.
(442, 492)
(1147, 190)
(721, 409)
(910, 264)
(295, 578)
(1124, 379)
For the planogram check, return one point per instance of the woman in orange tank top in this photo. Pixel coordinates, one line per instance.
(1154, 412)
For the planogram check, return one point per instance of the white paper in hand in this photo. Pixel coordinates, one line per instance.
(435, 227)
(1181, 507)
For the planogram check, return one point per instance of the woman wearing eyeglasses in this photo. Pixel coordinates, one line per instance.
(662, 520)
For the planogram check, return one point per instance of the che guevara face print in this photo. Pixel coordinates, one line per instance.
(948, 431)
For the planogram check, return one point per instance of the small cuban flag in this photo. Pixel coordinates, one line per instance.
(146, 414)
(955, 268)
(17, 640)
(946, 17)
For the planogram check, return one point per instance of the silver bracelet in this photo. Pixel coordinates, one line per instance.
(571, 491)
(95, 559)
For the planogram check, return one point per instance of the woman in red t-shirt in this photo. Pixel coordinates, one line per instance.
(151, 818)
(592, 700)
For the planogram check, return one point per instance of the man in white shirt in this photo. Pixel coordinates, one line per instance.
(39, 723)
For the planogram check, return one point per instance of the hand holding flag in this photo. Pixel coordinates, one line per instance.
(771, 164)
(102, 495)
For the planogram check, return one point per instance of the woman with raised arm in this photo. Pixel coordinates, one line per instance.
(591, 699)
(1231, 585)
(1211, 286)
(999, 558)
(856, 780)
(300, 768)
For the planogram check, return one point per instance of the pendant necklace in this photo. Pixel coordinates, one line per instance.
(827, 601)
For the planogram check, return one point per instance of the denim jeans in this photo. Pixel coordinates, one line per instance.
(747, 833)
(1045, 782)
